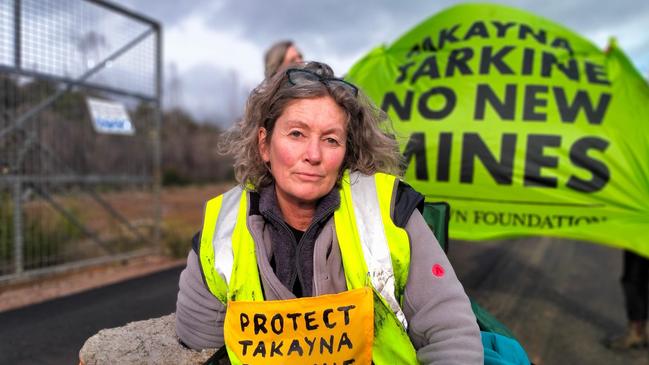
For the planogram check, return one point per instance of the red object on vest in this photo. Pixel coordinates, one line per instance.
(438, 270)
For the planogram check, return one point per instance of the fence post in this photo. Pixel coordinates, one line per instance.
(18, 227)
(157, 148)
(17, 35)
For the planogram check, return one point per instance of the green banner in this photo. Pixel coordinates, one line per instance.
(522, 126)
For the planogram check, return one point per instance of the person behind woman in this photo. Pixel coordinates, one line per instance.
(280, 55)
(319, 210)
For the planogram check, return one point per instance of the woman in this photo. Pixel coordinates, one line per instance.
(280, 55)
(318, 215)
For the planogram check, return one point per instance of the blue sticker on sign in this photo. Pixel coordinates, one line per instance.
(109, 117)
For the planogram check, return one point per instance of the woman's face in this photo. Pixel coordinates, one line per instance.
(292, 56)
(306, 149)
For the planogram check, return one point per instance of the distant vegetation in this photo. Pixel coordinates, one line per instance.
(189, 152)
(65, 129)
(46, 237)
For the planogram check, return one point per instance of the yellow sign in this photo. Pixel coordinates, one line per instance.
(328, 329)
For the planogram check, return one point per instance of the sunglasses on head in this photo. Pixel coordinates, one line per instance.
(300, 77)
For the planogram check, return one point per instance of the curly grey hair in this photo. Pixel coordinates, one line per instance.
(371, 145)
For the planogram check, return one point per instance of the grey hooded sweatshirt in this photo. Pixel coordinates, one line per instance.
(441, 325)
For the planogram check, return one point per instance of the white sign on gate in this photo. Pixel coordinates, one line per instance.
(109, 117)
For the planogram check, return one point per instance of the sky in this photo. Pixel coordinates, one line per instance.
(213, 50)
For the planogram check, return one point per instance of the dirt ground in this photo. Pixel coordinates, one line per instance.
(182, 209)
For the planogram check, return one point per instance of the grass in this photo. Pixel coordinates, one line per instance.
(50, 239)
(46, 237)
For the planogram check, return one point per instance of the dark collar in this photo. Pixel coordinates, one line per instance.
(269, 207)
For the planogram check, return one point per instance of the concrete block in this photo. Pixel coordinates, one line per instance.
(152, 341)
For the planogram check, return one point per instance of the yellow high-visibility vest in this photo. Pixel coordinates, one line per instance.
(373, 254)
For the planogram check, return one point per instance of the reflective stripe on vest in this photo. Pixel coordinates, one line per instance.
(356, 240)
(226, 243)
(216, 241)
(375, 247)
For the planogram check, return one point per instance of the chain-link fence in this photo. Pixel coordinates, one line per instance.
(80, 91)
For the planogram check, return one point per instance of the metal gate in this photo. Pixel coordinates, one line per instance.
(75, 190)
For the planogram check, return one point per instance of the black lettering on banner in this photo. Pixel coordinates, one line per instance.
(244, 320)
(449, 104)
(311, 344)
(579, 157)
(458, 60)
(596, 74)
(505, 109)
(581, 101)
(276, 348)
(502, 27)
(532, 101)
(487, 60)
(245, 344)
(390, 99)
(477, 29)
(403, 72)
(447, 35)
(294, 317)
(518, 219)
(428, 46)
(547, 223)
(532, 220)
(527, 66)
(277, 324)
(427, 68)
(259, 320)
(444, 156)
(527, 219)
(325, 318)
(479, 216)
(473, 146)
(549, 61)
(459, 215)
(535, 160)
(345, 341)
(295, 347)
(346, 310)
(308, 321)
(416, 147)
(260, 349)
(415, 50)
(327, 345)
(563, 43)
(524, 30)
